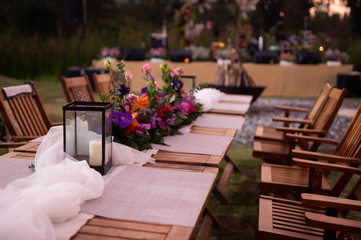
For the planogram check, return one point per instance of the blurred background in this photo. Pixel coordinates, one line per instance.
(43, 38)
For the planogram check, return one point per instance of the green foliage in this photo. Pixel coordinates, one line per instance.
(354, 51)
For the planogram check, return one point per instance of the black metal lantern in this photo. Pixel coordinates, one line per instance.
(87, 135)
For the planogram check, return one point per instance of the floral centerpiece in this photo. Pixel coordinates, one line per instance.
(141, 120)
(158, 52)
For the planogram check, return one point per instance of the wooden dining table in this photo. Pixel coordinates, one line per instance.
(105, 228)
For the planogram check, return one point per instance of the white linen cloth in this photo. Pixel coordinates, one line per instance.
(195, 143)
(152, 195)
(218, 121)
(207, 97)
(51, 152)
(30, 206)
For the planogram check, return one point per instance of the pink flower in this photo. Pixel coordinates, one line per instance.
(129, 75)
(183, 108)
(156, 84)
(104, 53)
(163, 125)
(146, 68)
(133, 98)
(175, 73)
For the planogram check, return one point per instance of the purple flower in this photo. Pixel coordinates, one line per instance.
(183, 108)
(143, 90)
(151, 78)
(177, 86)
(124, 90)
(122, 119)
(170, 121)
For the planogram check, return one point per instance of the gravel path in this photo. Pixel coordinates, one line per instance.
(262, 111)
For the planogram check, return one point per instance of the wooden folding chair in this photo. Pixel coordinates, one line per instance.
(271, 133)
(23, 114)
(102, 83)
(312, 176)
(280, 152)
(77, 89)
(316, 217)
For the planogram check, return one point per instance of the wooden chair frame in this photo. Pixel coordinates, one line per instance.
(316, 217)
(24, 116)
(272, 133)
(311, 176)
(77, 89)
(280, 152)
(102, 83)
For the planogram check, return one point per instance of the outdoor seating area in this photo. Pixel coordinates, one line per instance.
(180, 119)
(201, 152)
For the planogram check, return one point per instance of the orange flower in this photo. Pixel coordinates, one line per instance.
(142, 103)
(133, 124)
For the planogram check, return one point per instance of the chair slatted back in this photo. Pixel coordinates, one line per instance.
(328, 113)
(316, 108)
(102, 83)
(349, 146)
(24, 114)
(77, 89)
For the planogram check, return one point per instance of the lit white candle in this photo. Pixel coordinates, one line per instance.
(95, 152)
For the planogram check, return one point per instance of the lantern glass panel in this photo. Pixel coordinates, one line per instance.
(88, 133)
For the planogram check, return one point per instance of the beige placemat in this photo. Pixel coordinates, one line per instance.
(195, 143)
(231, 106)
(217, 121)
(12, 169)
(237, 98)
(153, 195)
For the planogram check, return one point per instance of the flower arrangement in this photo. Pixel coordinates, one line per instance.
(141, 120)
(336, 55)
(158, 52)
(113, 52)
(288, 57)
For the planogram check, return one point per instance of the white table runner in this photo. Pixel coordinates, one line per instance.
(195, 143)
(218, 121)
(12, 169)
(153, 195)
(231, 106)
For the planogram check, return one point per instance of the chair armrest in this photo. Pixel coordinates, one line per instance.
(326, 166)
(290, 108)
(333, 223)
(312, 139)
(22, 138)
(322, 156)
(12, 144)
(300, 130)
(316, 200)
(291, 120)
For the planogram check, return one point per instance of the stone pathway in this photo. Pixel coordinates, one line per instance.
(262, 111)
